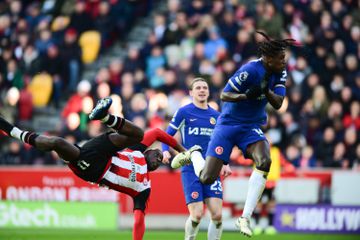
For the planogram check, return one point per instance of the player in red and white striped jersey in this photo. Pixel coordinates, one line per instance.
(118, 159)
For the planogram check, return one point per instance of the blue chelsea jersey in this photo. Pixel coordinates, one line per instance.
(196, 126)
(250, 111)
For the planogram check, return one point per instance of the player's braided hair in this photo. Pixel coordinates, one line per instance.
(272, 47)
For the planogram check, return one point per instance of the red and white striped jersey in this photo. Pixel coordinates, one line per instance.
(127, 173)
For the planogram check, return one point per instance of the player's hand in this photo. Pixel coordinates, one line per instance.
(225, 171)
(166, 157)
(265, 82)
(253, 92)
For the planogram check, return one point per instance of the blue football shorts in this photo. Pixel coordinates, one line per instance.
(225, 137)
(195, 191)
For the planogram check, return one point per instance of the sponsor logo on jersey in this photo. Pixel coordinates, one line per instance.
(212, 121)
(194, 195)
(219, 150)
(132, 174)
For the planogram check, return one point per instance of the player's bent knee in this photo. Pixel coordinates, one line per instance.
(216, 216)
(264, 164)
(207, 178)
(197, 216)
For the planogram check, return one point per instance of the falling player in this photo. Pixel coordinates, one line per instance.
(118, 160)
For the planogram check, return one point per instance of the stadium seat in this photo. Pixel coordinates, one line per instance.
(41, 87)
(90, 42)
(60, 23)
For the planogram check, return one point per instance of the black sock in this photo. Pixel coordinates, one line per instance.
(5, 126)
(28, 137)
(256, 215)
(115, 122)
(194, 224)
(271, 218)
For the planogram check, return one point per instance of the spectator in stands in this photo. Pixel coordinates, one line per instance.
(74, 104)
(71, 56)
(52, 65)
(307, 159)
(34, 15)
(13, 75)
(115, 71)
(80, 19)
(31, 61)
(350, 142)
(338, 159)
(155, 61)
(325, 147)
(270, 20)
(133, 61)
(352, 119)
(44, 42)
(104, 23)
(25, 106)
(15, 155)
(215, 45)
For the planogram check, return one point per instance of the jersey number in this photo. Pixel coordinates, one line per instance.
(216, 186)
(258, 131)
(283, 76)
(83, 165)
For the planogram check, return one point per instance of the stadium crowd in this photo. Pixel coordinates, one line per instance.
(318, 126)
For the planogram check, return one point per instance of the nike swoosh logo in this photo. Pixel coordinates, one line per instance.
(192, 119)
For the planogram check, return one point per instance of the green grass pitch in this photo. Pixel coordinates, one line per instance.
(6, 234)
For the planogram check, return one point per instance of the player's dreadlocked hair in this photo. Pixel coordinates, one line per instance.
(271, 47)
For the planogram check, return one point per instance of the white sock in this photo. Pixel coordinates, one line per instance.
(16, 132)
(256, 187)
(198, 162)
(190, 230)
(215, 230)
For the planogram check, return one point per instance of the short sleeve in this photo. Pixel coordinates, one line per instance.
(178, 119)
(241, 80)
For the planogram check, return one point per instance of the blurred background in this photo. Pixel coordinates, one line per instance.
(59, 57)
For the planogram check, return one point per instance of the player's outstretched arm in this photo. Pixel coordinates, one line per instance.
(157, 134)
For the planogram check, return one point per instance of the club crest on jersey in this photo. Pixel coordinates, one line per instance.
(219, 150)
(243, 76)
(212, 121)
(145, 182)
(194, 195)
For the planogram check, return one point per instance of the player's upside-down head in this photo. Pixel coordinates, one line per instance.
(153, 158)
(273, 52)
